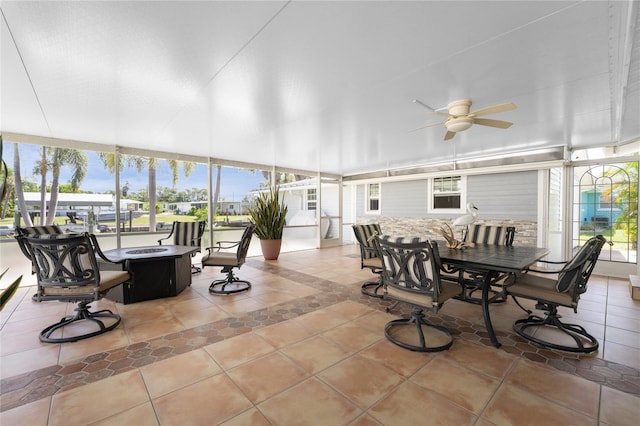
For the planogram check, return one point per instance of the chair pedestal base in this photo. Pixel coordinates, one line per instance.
(82, 313)
(584, 342)
(372, 289)
(230, 285)
(395, 329)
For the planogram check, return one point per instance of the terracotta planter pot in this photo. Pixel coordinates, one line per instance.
(270, 249)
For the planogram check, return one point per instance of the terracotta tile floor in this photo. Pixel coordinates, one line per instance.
(303, 346)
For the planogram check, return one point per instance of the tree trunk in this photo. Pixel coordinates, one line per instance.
(152, 197)
(216, 194)
(43, 186)
(18, 184)
(55, 184)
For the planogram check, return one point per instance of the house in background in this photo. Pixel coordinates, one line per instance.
(597, 209)
(80, 207)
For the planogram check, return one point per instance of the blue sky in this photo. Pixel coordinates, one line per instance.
(235, 183)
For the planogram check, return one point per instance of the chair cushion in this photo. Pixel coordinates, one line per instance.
(579, 264)
(42, 230)
(372, 263)
(403, 240)
(541, 289)
(221, 259)
(110, 279)
(488, 234)
(186, 233)
(364, 234)
(448, 290)
(76, 290)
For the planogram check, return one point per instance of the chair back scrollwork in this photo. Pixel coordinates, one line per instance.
(65, 265)
(412, 268)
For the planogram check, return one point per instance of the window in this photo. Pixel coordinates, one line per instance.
(447, 193)
(373, 198)
(606, 202)
(311, 199)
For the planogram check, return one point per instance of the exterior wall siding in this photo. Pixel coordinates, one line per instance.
(508, 199)
(506, 196)
(406, 199)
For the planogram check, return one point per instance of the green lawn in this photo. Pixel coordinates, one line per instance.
(614, 235)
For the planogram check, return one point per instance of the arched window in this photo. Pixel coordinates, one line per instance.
(606, 202)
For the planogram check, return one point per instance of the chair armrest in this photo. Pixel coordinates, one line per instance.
(99, 252)
(23, 247)
(540, 271)
(561, 262)
(231, 244)
(165, 238)
(548, 271)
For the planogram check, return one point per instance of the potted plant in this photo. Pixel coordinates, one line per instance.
(268, 214)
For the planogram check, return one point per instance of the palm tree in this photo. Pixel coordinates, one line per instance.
(8, 189)
(5, 182)
(17, 179)
(109, 160)
(216, 193)
(60, 157)
(625, 191)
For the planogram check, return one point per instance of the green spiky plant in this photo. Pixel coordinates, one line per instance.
(4, 176)
(268, 214)
(8, 292)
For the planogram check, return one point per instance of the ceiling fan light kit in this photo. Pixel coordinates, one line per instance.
(458, 124)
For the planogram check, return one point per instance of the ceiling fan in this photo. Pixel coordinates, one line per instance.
(460, 119)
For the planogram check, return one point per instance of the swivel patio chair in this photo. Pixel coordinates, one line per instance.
(369, 256)
(563, 290)
(67, 271)
(186, 234)
(229, 260)
(473, 280)
(411, 274)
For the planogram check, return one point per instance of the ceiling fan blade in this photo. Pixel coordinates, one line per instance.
(493, 109)
(428, 125)
(449, 135)
(492, 123)
(433, 110)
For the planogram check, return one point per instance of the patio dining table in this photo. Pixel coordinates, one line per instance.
(492, 260)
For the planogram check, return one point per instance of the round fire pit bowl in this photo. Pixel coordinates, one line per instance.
(147, 250)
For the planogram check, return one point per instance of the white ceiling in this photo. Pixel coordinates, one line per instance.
(321, 86)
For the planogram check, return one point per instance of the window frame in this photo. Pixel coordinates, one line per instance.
(462, 192)
(309, 199)
(368, 198)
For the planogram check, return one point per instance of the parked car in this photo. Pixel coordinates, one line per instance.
(6, 230)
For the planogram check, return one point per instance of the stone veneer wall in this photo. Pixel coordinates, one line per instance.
(526, 230)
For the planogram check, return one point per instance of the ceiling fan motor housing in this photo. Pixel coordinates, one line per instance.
(458, 108)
